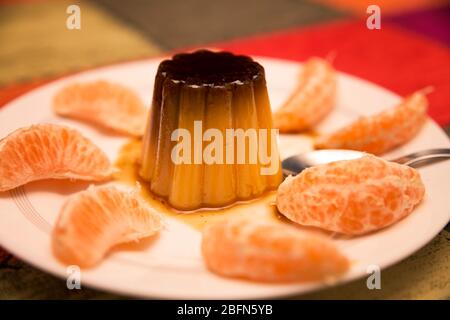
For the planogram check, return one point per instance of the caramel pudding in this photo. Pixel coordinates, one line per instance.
(195, 92)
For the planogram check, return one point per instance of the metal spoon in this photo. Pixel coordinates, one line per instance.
(296, 164)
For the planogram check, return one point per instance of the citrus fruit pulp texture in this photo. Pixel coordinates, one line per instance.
(103, 103)
(381, 132)
(313, 99)
(94, 220)
(48, 151)
(351, 197)
(269, 252)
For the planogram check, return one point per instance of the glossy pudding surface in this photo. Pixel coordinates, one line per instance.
(220, 91)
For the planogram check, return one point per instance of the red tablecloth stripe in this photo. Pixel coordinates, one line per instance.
(391, 57)
(394, 58)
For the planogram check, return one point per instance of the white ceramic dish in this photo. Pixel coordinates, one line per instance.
(171, 266)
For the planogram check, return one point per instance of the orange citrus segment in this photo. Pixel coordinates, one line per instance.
(313, 99)
(94, 220)
(48, 151)
(269, 252)
(351, 197)
(103, 103)
(381, 132)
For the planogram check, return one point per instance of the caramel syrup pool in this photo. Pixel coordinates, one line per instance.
(127, 165)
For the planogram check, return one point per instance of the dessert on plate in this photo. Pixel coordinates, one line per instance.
(206, 94)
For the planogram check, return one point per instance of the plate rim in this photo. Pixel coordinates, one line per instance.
(112, 289)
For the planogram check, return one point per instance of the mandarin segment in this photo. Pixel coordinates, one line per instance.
(269, 252)
(313, 99)
(381, 132)
(351, 197)
(49, 151)
(103, 103)
(94, 220)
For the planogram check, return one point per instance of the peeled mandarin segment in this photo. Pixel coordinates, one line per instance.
(313, 99)
(222, 92)
(48, 151)
(94, 220)
(381, 132)
(103, 103)
(269, 252)
(351, 197)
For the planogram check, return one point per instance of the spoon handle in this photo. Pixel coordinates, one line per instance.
(418, 159)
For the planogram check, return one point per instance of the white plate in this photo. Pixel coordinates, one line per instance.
(171, 266)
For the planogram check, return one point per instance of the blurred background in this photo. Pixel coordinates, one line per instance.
(409, 52)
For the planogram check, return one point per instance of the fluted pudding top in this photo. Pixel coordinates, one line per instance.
(208, 68)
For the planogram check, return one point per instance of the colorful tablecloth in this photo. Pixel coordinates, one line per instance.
(411, 51)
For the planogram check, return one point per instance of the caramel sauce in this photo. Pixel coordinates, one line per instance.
(127, 165)
(312, 134)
